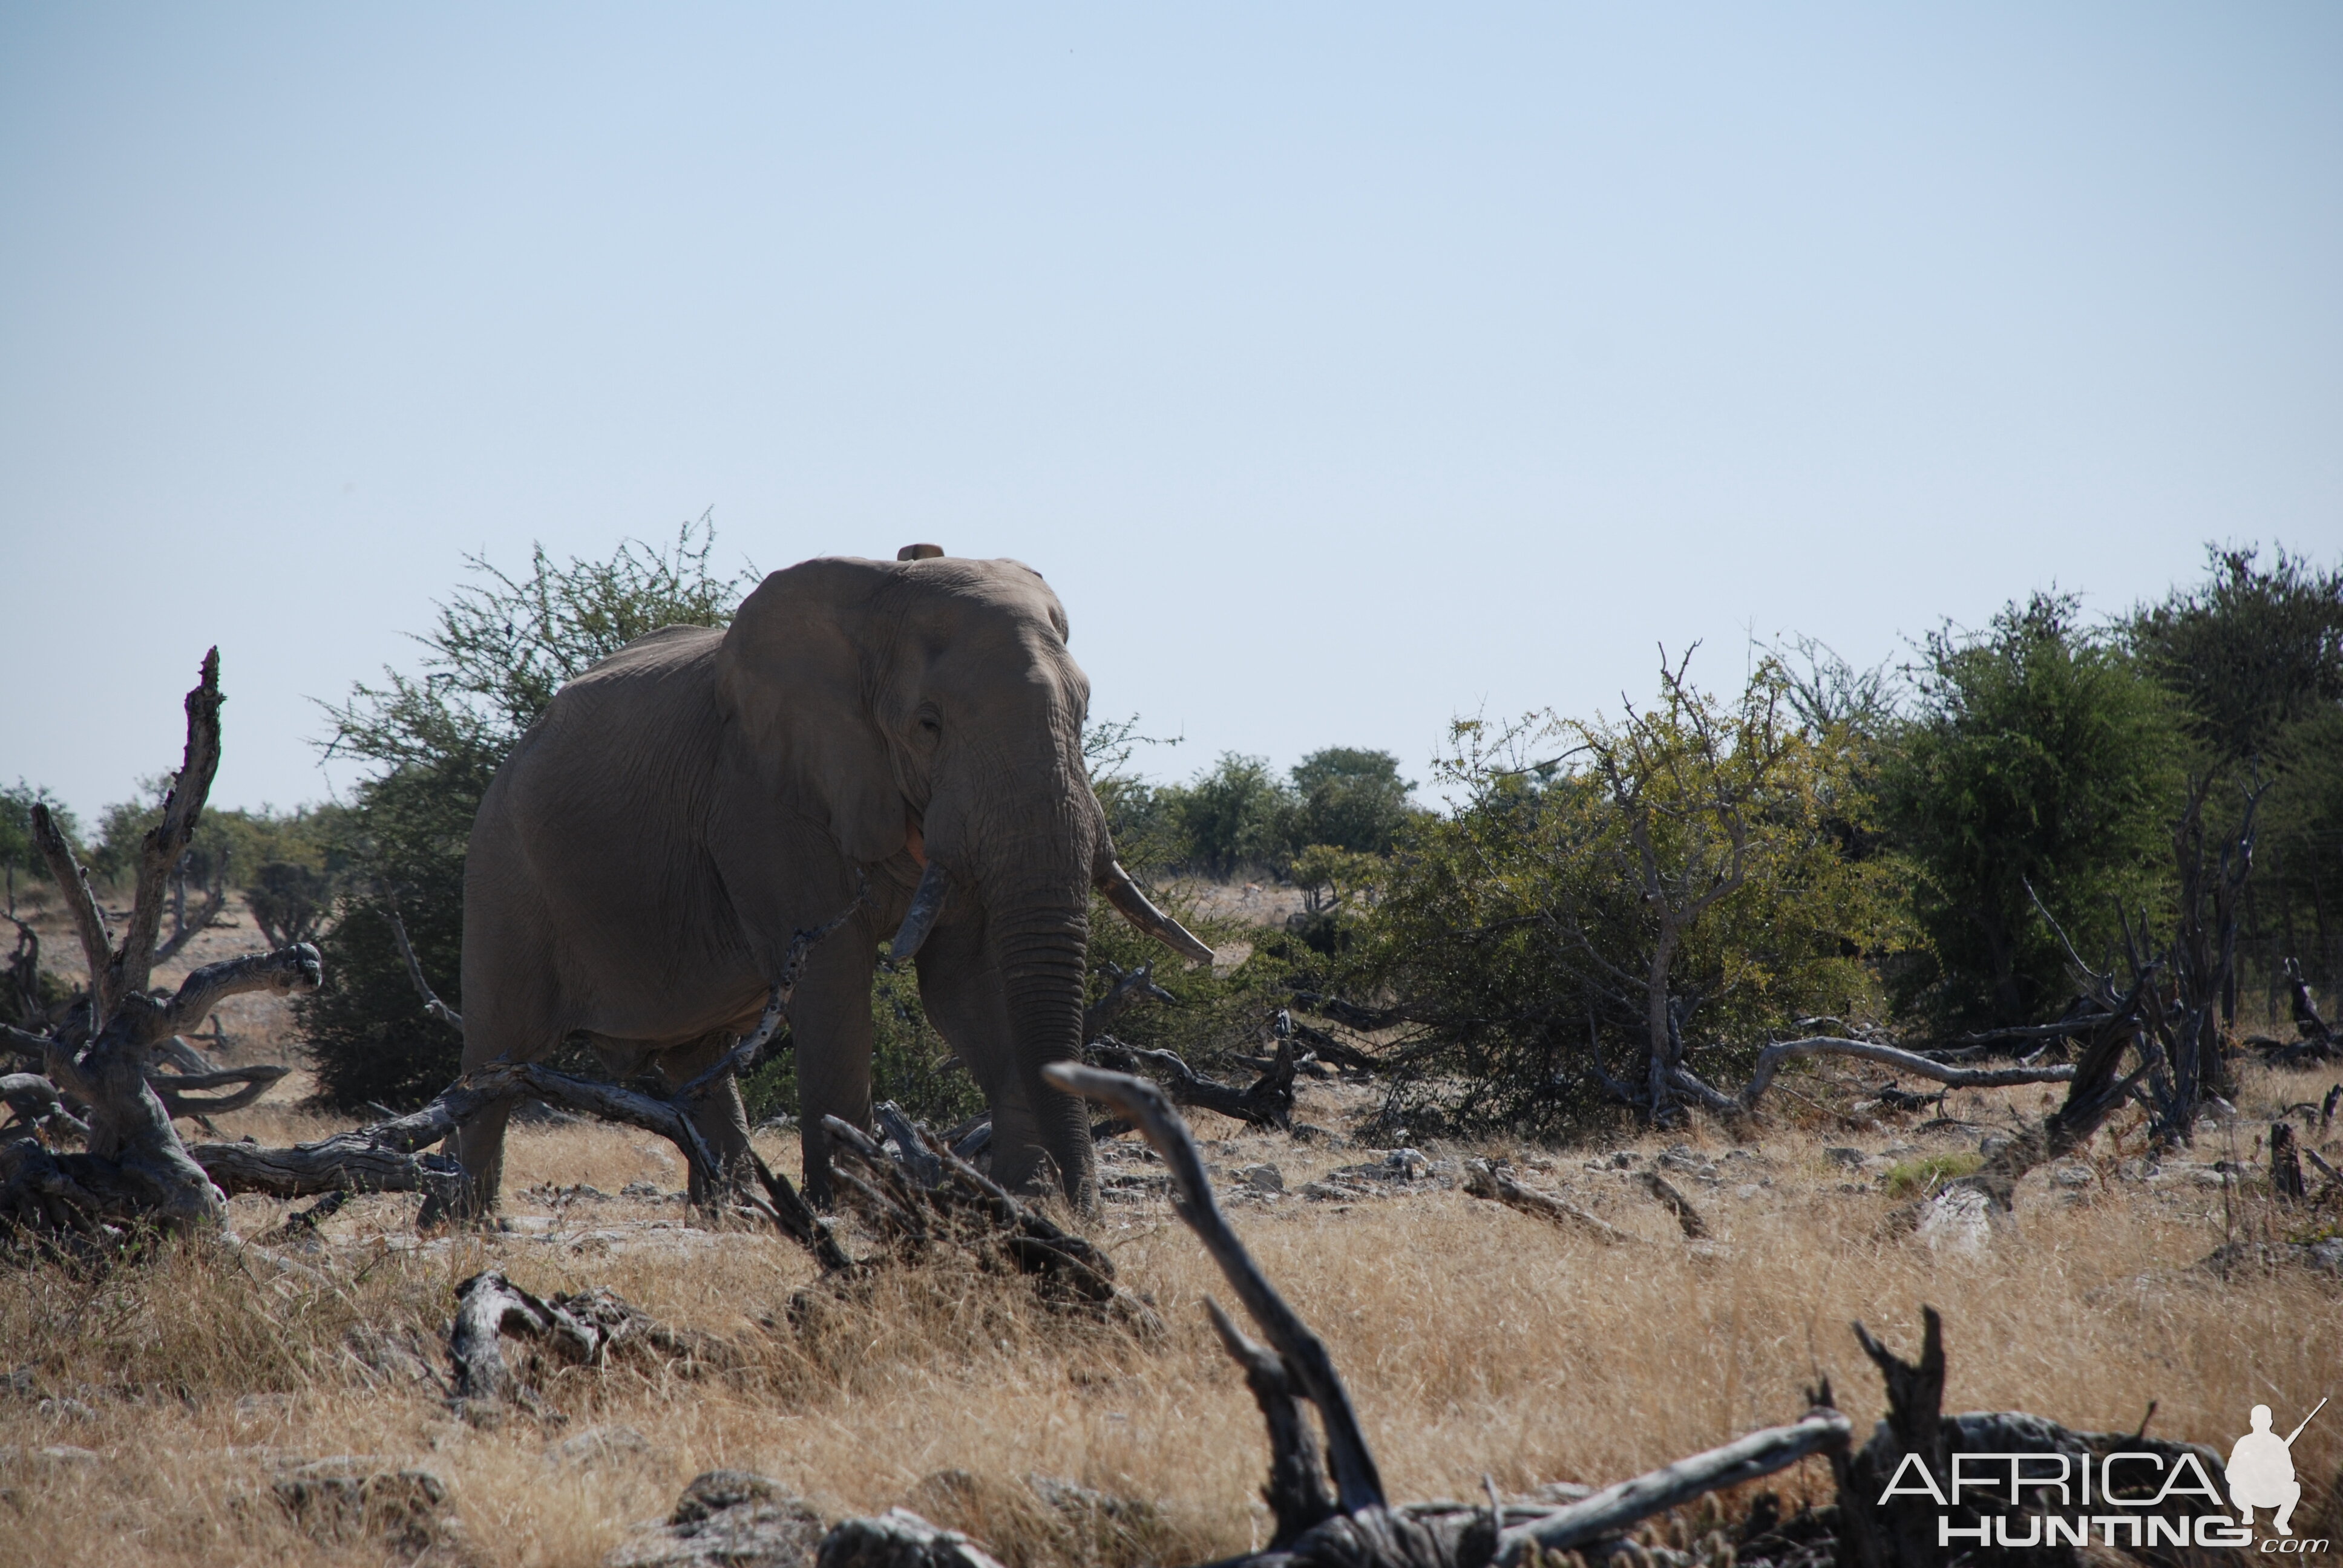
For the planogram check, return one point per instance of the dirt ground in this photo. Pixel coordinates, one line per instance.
(155, 1412)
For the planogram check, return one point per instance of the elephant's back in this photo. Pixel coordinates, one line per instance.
(611, 782)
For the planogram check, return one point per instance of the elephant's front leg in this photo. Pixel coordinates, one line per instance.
(830, 1021)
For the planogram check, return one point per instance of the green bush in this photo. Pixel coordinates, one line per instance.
(2042, 756)
(1664, 889)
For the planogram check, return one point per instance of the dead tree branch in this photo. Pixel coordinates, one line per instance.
(1612, 1510)
(249, 1083)
(1688, 1216)
(72, 878)
(1356, 1528)
(1129, 987)
(1268, 1102)
(585, 1328)
(1296, 1491)
(1358, 1485)
(917, 1194)
(1483, 1180)
(1770, 1061)
(431, 1002)
(134, 1168)
(1910, 1529)
(2092, 1094)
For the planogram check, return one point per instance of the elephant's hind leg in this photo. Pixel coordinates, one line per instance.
(513, 1024)
(721, 1117)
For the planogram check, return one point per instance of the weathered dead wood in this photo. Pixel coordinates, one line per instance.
(301, 1225)
(134, 1168)
(346, 1162)
(1915, 1425)
(1268, 1102)
(584, 1328)
(1613, 1509)
(1128, 987)
(186, 928)
(431, 1002)
(1688, 1217)
(384, 1157)
(1296, 1490)
(72, 878)
(1483, 1180)
(1359, 1529)
(1358, 1484)
(2092, 1094)
(36, 1103)
(795, 1218)
(1907, 1530)
(2307, 1020)
(125, 968)
(916, 1192)
(1771, 1058)
(1328, 1049)
(249, 1083)
(2285, 1164)
(2334, 1177)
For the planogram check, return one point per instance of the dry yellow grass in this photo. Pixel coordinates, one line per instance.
(1475, 1340)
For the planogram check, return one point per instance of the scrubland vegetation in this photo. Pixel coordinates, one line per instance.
(1566, 966)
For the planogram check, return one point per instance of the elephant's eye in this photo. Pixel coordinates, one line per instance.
(931, 724)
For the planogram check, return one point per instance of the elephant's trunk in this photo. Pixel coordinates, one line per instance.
(1040, 937)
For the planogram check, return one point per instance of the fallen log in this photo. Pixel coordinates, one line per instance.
(1770, 1061)
(1328, 1049)
(1267, 1103)
(1483, 1180)
(2092, 1094)
(1610, 1512)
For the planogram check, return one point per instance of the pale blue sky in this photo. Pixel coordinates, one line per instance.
(1344, 367)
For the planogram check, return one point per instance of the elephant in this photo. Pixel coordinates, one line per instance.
(902, 739)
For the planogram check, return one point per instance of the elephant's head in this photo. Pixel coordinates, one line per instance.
(930, 706)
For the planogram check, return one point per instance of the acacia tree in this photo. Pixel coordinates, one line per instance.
(501, 646)
(1665, 878)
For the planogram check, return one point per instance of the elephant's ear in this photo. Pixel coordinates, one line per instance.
(796, 676)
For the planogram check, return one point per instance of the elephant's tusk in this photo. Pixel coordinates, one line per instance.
(1124, 895)
(927, 903)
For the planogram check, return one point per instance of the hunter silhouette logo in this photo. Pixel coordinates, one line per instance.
(2260, 1471)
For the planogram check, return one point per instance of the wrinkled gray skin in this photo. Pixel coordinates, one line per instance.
(681, 809)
